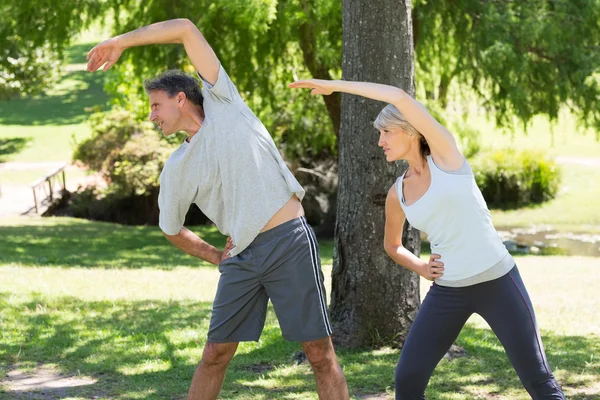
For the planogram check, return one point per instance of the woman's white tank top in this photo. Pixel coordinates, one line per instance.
(458, 223)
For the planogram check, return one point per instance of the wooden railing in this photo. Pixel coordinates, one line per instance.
(46, 186)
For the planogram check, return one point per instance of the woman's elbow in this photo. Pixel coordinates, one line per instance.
(391, 248)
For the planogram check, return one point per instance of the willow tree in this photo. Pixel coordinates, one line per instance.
(521, 58)
(33, 38)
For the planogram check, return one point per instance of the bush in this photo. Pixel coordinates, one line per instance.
(130, 156)
(510, 179)
(110, 132)
(95, 204)
(468, 140)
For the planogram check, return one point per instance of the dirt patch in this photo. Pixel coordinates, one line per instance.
(43, 383)
(375, 396)
(259, 368)
(455, 351)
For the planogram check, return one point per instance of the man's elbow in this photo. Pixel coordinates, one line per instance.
(174, 237)
(187, 26)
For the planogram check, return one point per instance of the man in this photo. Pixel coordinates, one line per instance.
(230, 167)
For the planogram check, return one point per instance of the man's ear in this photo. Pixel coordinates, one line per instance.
(181, 98)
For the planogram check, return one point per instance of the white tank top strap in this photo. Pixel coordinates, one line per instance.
(465, 168)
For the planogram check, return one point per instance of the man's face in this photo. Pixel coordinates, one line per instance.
(164, 111)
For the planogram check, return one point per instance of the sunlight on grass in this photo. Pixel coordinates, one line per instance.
(576, 203)
(51, 123)
(143, 327)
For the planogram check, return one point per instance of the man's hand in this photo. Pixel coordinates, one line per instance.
(225, 253)
(107, 53)
(180, 30)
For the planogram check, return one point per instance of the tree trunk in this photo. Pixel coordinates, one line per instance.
(373, 300)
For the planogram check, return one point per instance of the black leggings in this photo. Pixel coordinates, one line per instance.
(505, 305)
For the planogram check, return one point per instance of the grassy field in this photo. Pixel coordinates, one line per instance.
(562, 138)
(44, 128)
(123, 307)
(575, 208)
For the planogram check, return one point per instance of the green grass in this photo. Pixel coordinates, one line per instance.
(575, 207)
(121, 305)
(563, 138)
(45, 128)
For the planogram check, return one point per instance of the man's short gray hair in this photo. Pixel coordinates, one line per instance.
(175, 81)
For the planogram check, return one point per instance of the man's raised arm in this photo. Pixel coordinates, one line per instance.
(180, 30)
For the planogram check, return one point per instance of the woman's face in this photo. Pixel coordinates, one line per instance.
(395, 143)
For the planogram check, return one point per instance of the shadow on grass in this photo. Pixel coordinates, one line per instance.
(12, 145)
(82, 243)
(96, 244)
(484, 373)
(149, 350)
(127, 346)
(63, 109)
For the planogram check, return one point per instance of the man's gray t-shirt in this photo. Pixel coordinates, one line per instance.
(230, 168)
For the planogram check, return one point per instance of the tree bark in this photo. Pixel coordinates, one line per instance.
(373, 300)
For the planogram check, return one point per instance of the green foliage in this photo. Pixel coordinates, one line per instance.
(137, 167)
(261, 45)
(515, 55)
(510, 179)
(469, 140)
(522, 58)
(33, 36)
(110, 132)
(26, 70)
(129, 154)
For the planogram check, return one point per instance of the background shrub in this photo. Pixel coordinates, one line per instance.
(511, 179)
(130, 156)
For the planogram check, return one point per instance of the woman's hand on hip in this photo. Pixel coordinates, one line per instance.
(434, 268)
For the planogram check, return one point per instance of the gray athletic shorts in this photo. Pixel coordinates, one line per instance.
(281, 264)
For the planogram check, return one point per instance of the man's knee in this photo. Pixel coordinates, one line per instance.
(218, 354)
(320, 353)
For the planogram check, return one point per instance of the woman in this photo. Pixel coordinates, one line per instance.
(471, 270)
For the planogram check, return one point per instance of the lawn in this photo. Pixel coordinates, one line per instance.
(121, 306)
(45, 127)
(562, 138)
(575, 208)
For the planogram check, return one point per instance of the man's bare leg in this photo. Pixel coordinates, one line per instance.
(209, 376)
(331, 383)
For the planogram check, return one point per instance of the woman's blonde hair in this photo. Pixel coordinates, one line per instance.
(391, 118)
